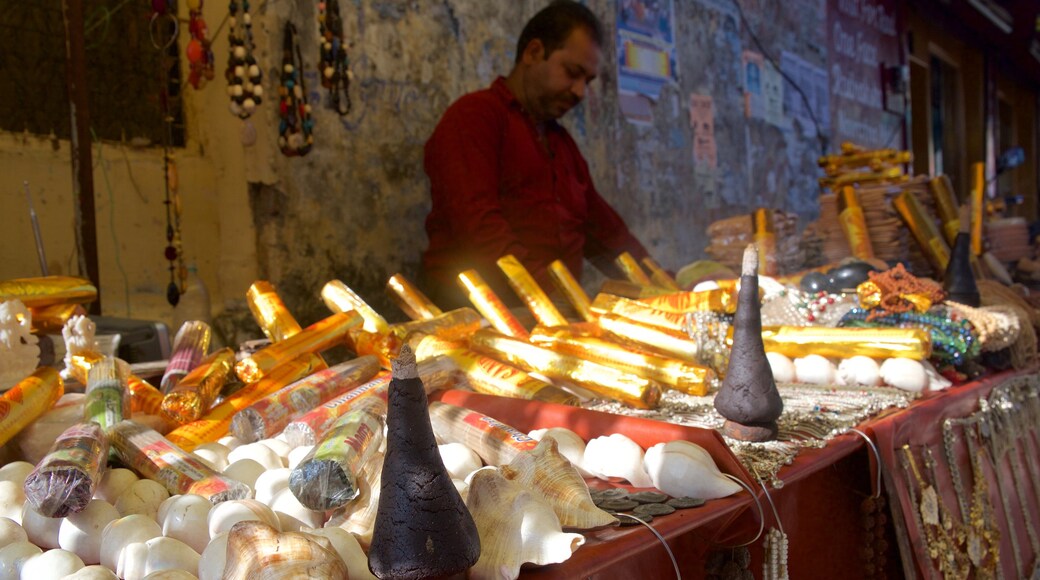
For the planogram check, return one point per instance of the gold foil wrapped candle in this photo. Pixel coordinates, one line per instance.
(217, 421)
(53, 318)
(669, 343)
(881, 343)
(339, 297)
(716, 300)
(530, 292)
(638, 312)
(854, 224)
(978, 205)
(489, 376)
(310, 427)
(490, 305)
(268, 416)
(688, 378)
(764, 235)
(189, 348)
(64, 481)
(107, 399)
(410, 299)
(627, 289)
(270, 312)
(144, 398)
(604, 381)
(190, 398)
(452, 325)
(927, 235)
(316, 337)
(162, 461)
(48, 291)
(946, 206)
(659, 276)
(494, 441)
(630, 267)
(569, 287)
(25, 402)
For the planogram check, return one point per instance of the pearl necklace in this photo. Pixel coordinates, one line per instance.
(243, 73)
(296, 127)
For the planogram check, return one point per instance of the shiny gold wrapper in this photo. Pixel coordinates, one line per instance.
(25, 402)
(569, 287)
(854, 224)
(659, 340)
(490, 305)
(881, 343)
(455, 324)
(870, 297)
(833, 164)
(717, 300)
(627, 289)
(144, 398)
(688, 378)
(53, 318)
(605, 381)
(530, 292)
(632, 271)
(978, 206)
(195, 393)
(946, 206)
(217, 421)
(48, 291)
(339, 297)
(410, 299)
(638, 312)
(764, 235)
(316, 337)
(659, 276)
(494, 441)
(489, 376)
(927, 235)
(270, 312)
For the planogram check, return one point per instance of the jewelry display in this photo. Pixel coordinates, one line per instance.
(296, 127)
(945, 539)
(793, 307)
(982, 510)
(334, 63)
(953, 338)
(243, 74)
(198, 50)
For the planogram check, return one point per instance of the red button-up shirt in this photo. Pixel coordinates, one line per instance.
(496, 190)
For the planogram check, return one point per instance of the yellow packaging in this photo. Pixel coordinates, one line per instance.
(644, 337)
(410, 299)
(881, 343)
(339, 297)
(53, 318)
(48, 291)
(659, 276)
(525, 286)
(632, 271)
(946, 206)
(978, 200)
(638, 312)
(25, 402)
(569, 287)
(717, 300)
(764, 236)
(144, 398)
(270, 312)
(195, 393)
(627, 289)
(490, 305)
(316, 337)
(923, 229)
(854, 224)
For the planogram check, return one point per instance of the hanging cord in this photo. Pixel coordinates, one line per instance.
(112, 222)
(661, 539)
(761, 513)
(877, 457)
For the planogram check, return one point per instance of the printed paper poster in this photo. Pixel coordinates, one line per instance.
(646, 46)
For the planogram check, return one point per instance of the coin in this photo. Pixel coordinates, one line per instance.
(649, 497)
(611, 493)
(627, 520)
(653, 509)
(618, 505)
(681, 503)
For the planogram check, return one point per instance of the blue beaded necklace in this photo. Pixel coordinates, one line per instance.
(954, 340)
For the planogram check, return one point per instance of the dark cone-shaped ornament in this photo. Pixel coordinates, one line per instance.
(423, 529)
(959, 280)
(748, 398)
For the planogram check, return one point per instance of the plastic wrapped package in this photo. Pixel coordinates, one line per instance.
(338, 297)
(108, 397)
(525, 286)
(64, 481)
(316, 337)
(495, 442)
(410, 299)
(490, 305)
(189, 348)
(27, 400)
(565, 282)
(48, 291)
(193, 395)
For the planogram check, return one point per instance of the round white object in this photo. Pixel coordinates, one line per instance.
(80, 533)
(215, 454)
(782, 367)
(211, 564)
(94, 572)
(42, 530)
(459, 460)
(616, 456)
(903, 373)
(292, 514)
(186, 518)
(113, 483)
(684, 469)
(51, 565)
(280, 448)
(171, 575)
(11, 532)
(13, 556)
(569, 443)
(349, 550)
(259, 453)
(297, 455)
(228, 513)
(860, 371)
(270, 483)
(816, 370)
(244, 470)
(230, 441)
(12, 498)
(16, 471)
(119, 534)
(142, 497)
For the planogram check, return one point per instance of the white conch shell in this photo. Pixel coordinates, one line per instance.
(42, 530)
(458, 459)
(212, 454)
(185, 517)
(860, 371)
(13, 556)
(245, 470)
(16, 471)
(936, 382)
(359, 516)
(571, 445)
(173, 574)
(230, 441)
(142, 497)
(782, 367)
(113, 483)
(12, 498)
(292, 514)
(11, 532)
(143, 558)
(19, 352)
(81, 533)
(92, 572)
(51, 565)
(214, 557)
(904, 373)
(545, 470)
(816, 370)
(297, 455)
(226, 514)
(120, 533)
(270, 483)
(259, 552)
(280, 447)
(259, 453)
(617, 456)
(515, 526)
(346, 545)
(683, 469)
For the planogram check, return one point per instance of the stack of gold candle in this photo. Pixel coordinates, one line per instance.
(144, 398)
(689, 378)
(339, 297)
(854, 224)
(667, 342)
(492, 377)
(528, 290)
(946, 206)
(490, 305)
(604, 381)
(569, 287)
(316, 337)
(659, 276)
(25, 402)
(881, 343)
(924, 230)
(723, 299)
(630, 267)
(637, 311)
(48, 291)
(274, 318)
(410, 299)
(195, 393)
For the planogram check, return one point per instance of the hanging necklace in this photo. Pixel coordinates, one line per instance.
(296, 127)
(199, 51)
(334, 64)
(243, 73)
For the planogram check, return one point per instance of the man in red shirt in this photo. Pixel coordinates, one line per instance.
(506, 178)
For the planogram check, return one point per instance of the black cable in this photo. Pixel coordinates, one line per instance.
(805, 99)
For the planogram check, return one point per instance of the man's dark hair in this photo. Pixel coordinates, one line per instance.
(554, 23)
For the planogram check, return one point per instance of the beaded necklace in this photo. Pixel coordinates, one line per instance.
(334, 64)
(243, 73)
(295, 130)
(954, 340)
(199, 50)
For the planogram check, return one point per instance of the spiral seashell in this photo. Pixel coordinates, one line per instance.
(257, 551)
(617, 456)
(571, 445)
(683, 469)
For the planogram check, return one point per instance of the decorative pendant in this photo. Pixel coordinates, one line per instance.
(243, 73)
(295, 130)
(334, 64)
(775, 565)
(199, 50)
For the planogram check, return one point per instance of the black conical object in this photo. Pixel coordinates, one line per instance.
(422, 529)
(748, 398)
(959, 279)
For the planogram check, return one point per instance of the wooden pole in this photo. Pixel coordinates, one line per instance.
(82, 165)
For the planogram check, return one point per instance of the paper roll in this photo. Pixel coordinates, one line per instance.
(490, 305)
(659, 276)
(630, 267)
(525, 286)
(927, 235)
(569, 287)
(338, 297)
(854, 224)
(270, 312)
(25, 402)
(190, 398)
(316, 337)
(764, 235)
(881, 343)
(637, 311)
(189, 348)
(48, 291)
(410, 299)
(946, 206)
(978, 206)
(494, 441)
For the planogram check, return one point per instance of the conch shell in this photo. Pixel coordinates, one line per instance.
(516, 526)
(683, 469)
(616, 456)
(572, 446)
(546, 470)
(256, 551)
(359, 516)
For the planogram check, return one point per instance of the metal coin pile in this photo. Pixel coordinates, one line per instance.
(643, 505)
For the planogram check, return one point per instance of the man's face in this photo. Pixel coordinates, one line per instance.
(555, 84)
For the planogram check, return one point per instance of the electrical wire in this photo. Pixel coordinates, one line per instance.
(805, 99)
(761, 512)
(112, 223)
(663, 542)
(877, 456)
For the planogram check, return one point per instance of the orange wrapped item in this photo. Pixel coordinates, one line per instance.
(927, 235)
(530, 292)
(632, 271)
(723, 299)
(638, 311)
(569, 287)
(53, 318)
(627, 289)
(273, 317)
(25, 402)
(854, 223)
(667, 342)
(316, 337)
(48, 291)
(338, 297)
(195, 393)
(764, 234)
(144, 398)
(659, 276)
(410, 299)
(490, 305)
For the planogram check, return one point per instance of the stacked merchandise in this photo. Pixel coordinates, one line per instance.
(859, 166)
(730, 236)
